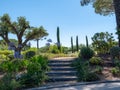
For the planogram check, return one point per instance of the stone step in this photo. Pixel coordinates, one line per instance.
(62, 69)
(62, 78)
(62, 73)
(59, 61)
(59, 64)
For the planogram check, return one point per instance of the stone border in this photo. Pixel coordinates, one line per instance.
(73, 84)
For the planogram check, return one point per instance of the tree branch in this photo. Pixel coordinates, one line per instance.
(13, 27)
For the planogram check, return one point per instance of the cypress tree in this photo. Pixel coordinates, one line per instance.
(86, 41)
(77, 45)
(58, 39)
(72, 44)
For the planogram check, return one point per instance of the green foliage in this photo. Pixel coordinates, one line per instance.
(21, 28)
(11, 56)
(3, 57)
(34, 72)
(83, 71)
(43, 60)
(102, 7)
(115, 71)
(86, 53)
(30, 54)
(117, 63)
(8, 82)
(6, 52)
(44, 49)
(96, 61)
(14, 65)
(54, 49)
(115, 52)
(102, 42)
(36, 69)
(98, 70)
(65, 50)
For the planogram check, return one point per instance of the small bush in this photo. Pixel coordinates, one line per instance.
(83, 71)
(34, 76)
(42, 60)
(5, 52)
(95, 61)
(13, 66)
(115, 71)
(11, 56)
(3, 57)
(86, 53)
(8, 82)
(115, 52)
(117, 63)
(36, 70)
(54, 49)
(98, 70)
(30, 54)
(92, 77)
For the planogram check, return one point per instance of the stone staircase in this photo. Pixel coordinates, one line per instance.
(61, 71)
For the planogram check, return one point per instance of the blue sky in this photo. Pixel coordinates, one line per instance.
(71, 18)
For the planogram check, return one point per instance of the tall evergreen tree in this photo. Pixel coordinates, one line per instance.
(86, 41)
(58, 39)
(72, 44)
(77, 44)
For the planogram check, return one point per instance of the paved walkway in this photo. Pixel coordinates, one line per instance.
(102, 86)
(99, 85)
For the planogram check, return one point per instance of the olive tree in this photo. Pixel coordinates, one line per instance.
(23, 31)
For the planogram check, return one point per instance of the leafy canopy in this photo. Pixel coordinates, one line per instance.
(21, 28)
(102, 7)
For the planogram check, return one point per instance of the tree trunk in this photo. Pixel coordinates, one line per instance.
(37, 43)
(117, 14)
(17, 53)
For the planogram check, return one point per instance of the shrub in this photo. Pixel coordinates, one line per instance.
(35, 74)
(98, 70)
(96, 61)
(3, 57)
(115, 52)
(92, 77)
(30, 54)
(54, 49)
(11, 56)
(83, 71)
(42, 60)
(5, 52)
(86, 53)
(13, 66)
(117, 63)
(8, 82)
(115, 71)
